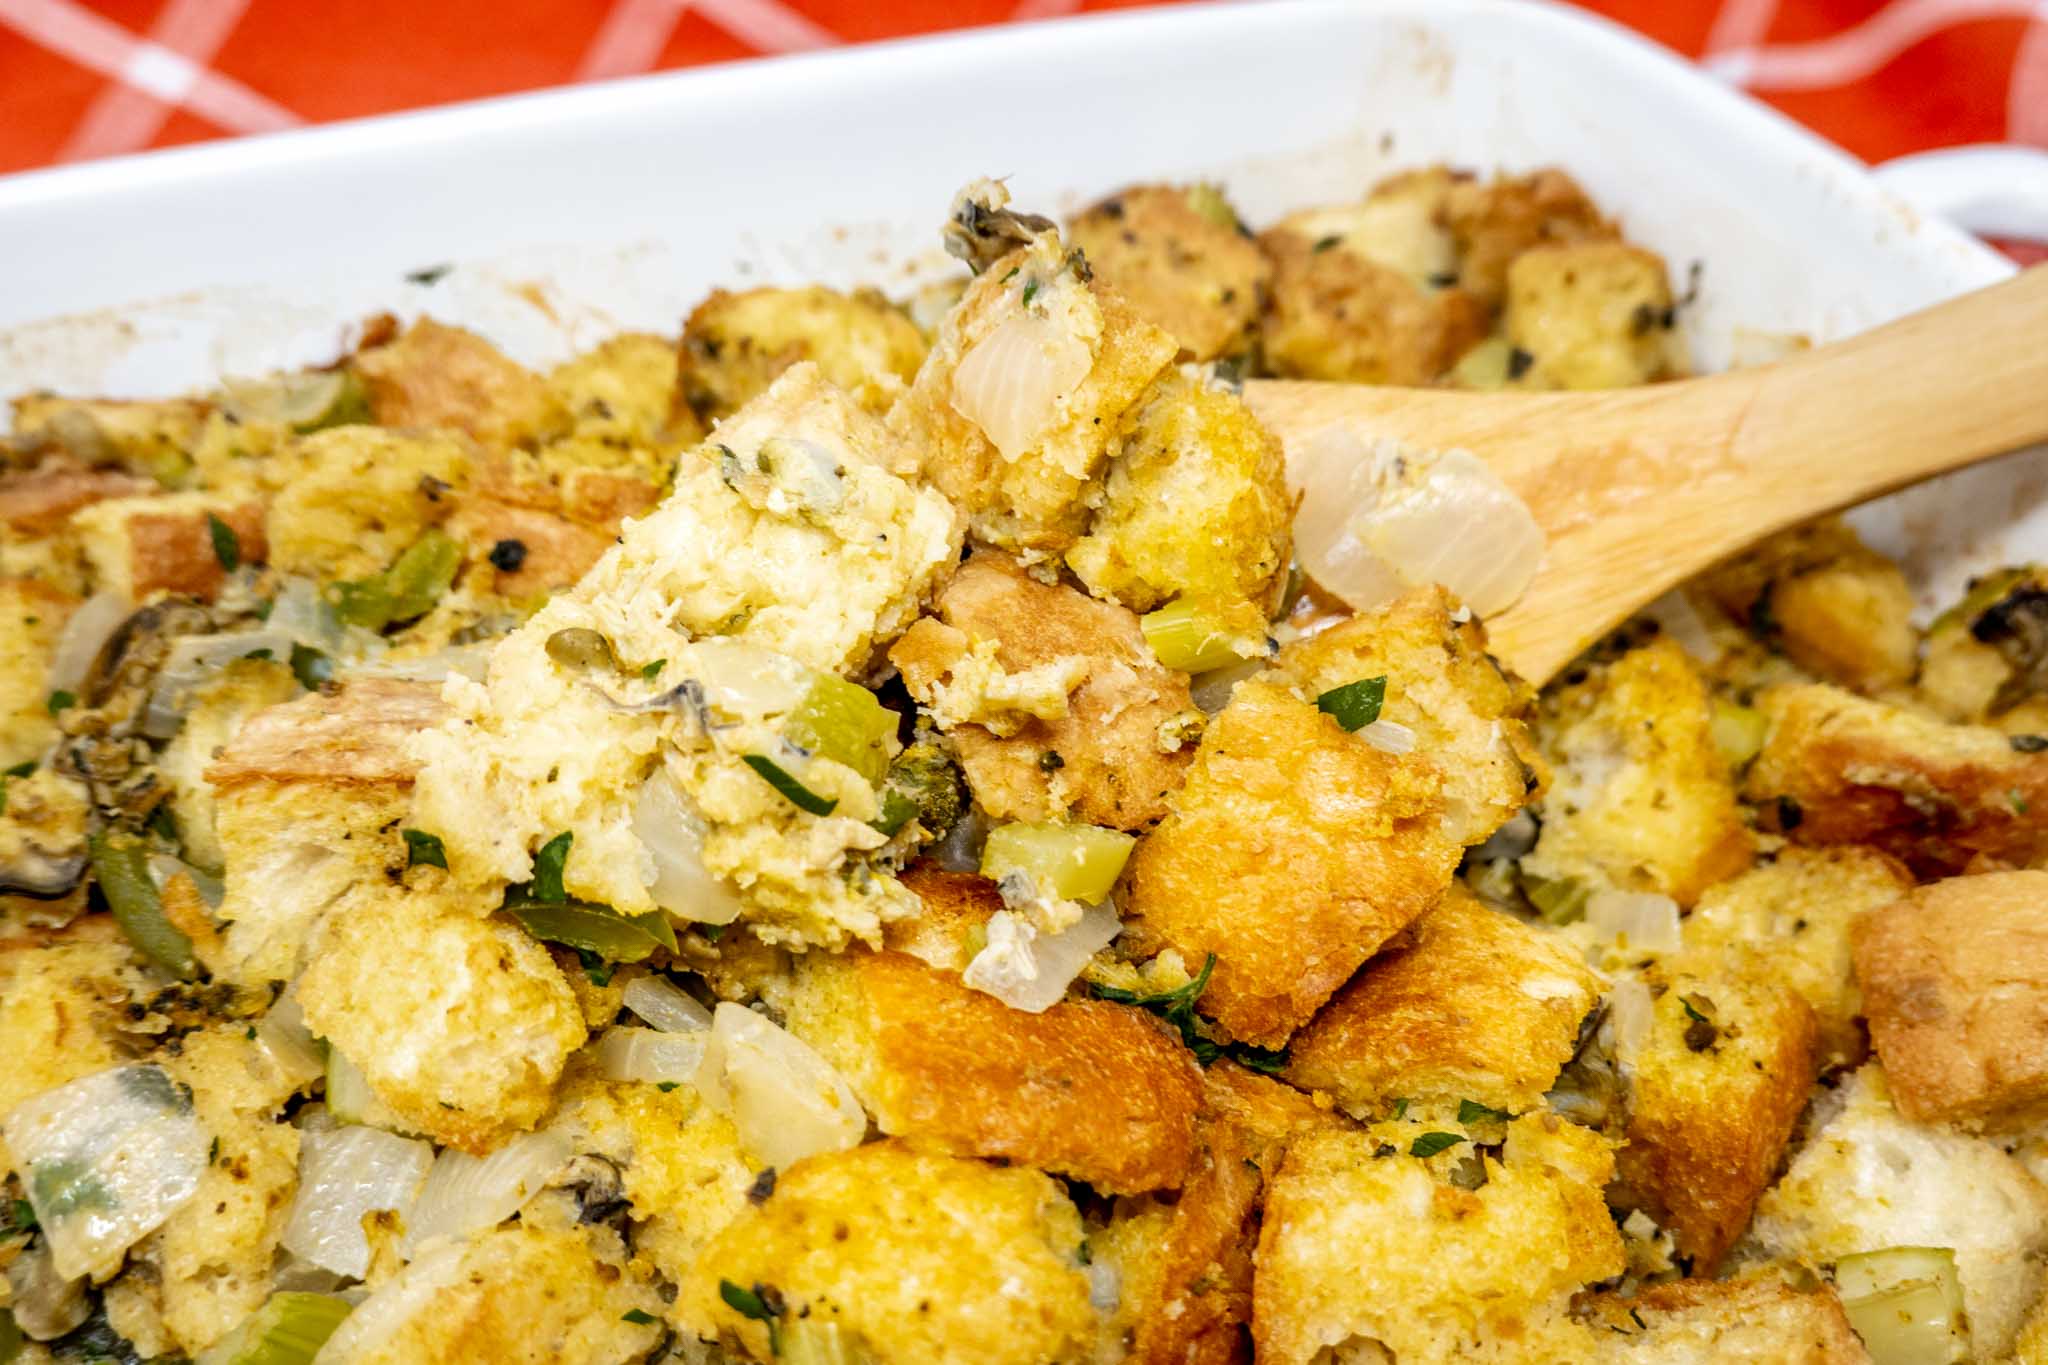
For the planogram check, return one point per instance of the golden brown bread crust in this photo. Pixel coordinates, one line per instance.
(1097, 1091)
(1200, 279)
(735, 344)
(1294, 851)
(1495, 221)
(353, 735)
(956, 906)
(555, 551)
(169, 548)
(1110, 769)
(36, 502)
(1712, 1104)
(1839, 769)
(1955, 984)
(1759, 1321)
(1839, 610)
(1187, 1280)
(1469, 1003)
(1334, 313)
(434, 375)
(1265, 1113)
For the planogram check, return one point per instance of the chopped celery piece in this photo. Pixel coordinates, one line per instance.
(1738, 731)
(595, 928)
(120, 862)
(812, 1341)
(1560, 901)
(408, 589)
(844, 722)
(350, 1098)
(1190, 635)
(1906, 1303)
(1209, 204)
(1485, 366)
(1070, 862)
(289, 1329)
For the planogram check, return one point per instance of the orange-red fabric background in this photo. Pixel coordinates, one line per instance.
(88, 78)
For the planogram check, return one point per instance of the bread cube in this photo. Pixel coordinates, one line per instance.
(354, 498)
(1591, 315)
(1338, 311)
(620, 391)
(1838, 609)
(1492, 222)
(140, 547)
(1182, 259)
(433, 376)
(1759, 1321)
(734, 346)
(32, 617)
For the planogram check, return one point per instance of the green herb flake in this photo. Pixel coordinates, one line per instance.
(798, 795)
(548, 865)
(2018, 799)
(1176, 1007)
(1354, 705)
(653, 670)
(754, 1303)
(665, 1086)
(1011, 276)
(227, 546)
(21, 769)
(60, 700)
(423, 849)
(1429, 1144)
(21, 1215)
(637, 1318)
(311, 667)
(1083, 1254)
(1265, 1061)
(1325, 243)
(1401, 1108)
(1471, 1112)
(1692, 1011)
(595, 967)
(1030, 291)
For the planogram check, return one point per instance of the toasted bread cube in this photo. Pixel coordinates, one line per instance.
(914, 1257)
(1869, 1179)
(1182, 259)
(1364, 1243)
(61, 998)
(1788, 920)
(1469, 1003)
(547, 551)
(1983, 657)
(142, 546)
(1294, 851)
(1031, 492)
(32, 617)
(219, 708)
(734, 346)
(1642, 798)
(956, 907)
(40, 501)
(1468, 715)
(1718, 1081)
(308, 800)
(354, 498)
(433, 376)
(1593, 315)
(620, 390)
(1758, 1321)
(148, 436)
(1088, 1089)
(1494, 221)
(1338, 312)
(1071, 677)
(460, 1024)
(1840, 610)
(1839, 769)
(523, 1293)
(1196, 506)
(1955, 981)
(1265, 1113)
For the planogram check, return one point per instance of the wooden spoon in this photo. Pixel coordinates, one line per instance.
(1639, 489)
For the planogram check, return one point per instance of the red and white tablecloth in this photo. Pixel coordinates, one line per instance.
(90, 78)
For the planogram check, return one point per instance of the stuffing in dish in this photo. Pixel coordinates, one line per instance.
(873, 835)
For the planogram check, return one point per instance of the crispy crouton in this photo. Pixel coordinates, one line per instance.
(1196, 506)
(1985, 655)
(147, 436)
(32, 617)
(529, 552)
(217, 711)
(520, 1293)
(142, 546)
(1363, 1242)
(1493, 222)
(1105, 718)
(1839, 769)
(1593, 315)
(60, 1007)
(1469, 1003)
(354, 735)
(1088, 1089)
(1339, 312)
(40, 501)
(1869, 1179)
(1467, 713)
(1788, 920)
(956, 907)
(1264, 1112)
(1027, 483)
(620, 390)
(1839, 609)
(734, 346)
(1182, 259)
(460, 1024)
(1757, 1321)
(354, 498)
(1642, 799)
(1955, 981)
(941, 1260)
(1718, 1080)
(1294, 851)
(436, 376)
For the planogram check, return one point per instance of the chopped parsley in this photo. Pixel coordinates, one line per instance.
(1429, 1144)
(1471, 1112)
(1177, 1007)
(20, 769)
(1030, 291)
(60, 700)
(595, 967)
(20, 1216)
(1692, 1011)
(1355, 705)
(423, 849)
(1401, 1108)
(653, 670)
(311, 667)
(2019, 801)
(227, 546)
(665, 1086)
(761, 1303)
(547, 868)
(637, 1318)
(798, 795)
(1325, 243)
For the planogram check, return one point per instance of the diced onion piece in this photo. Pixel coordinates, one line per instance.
(813, 1341)
(345, 1173)
(1738, 731)
(350, 1098)
(1191, 635)
(41, 1302)
(289, 1329)
(1211, 691)
(384, 1313)
(1388, 736)
(1906, 1303)
(624, 1053)
(300, 612)
(663, 1004)
(1068, 862)
(106, 1159)
(1677, 617)
(668, 826)
(283, 1034)
(197, 660)
(1105, 1287)
(1639, 921)
(742, 679)
(786, 1101)
(464, 1194)
(306, 401)
(1030, 971)
(84, 636)
(1377, 516)
(1625, 1031)
(844, 722)
(1010, 383)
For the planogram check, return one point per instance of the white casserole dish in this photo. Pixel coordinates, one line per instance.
(575, 213)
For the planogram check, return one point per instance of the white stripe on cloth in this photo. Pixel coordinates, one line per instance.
(1849, 56)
